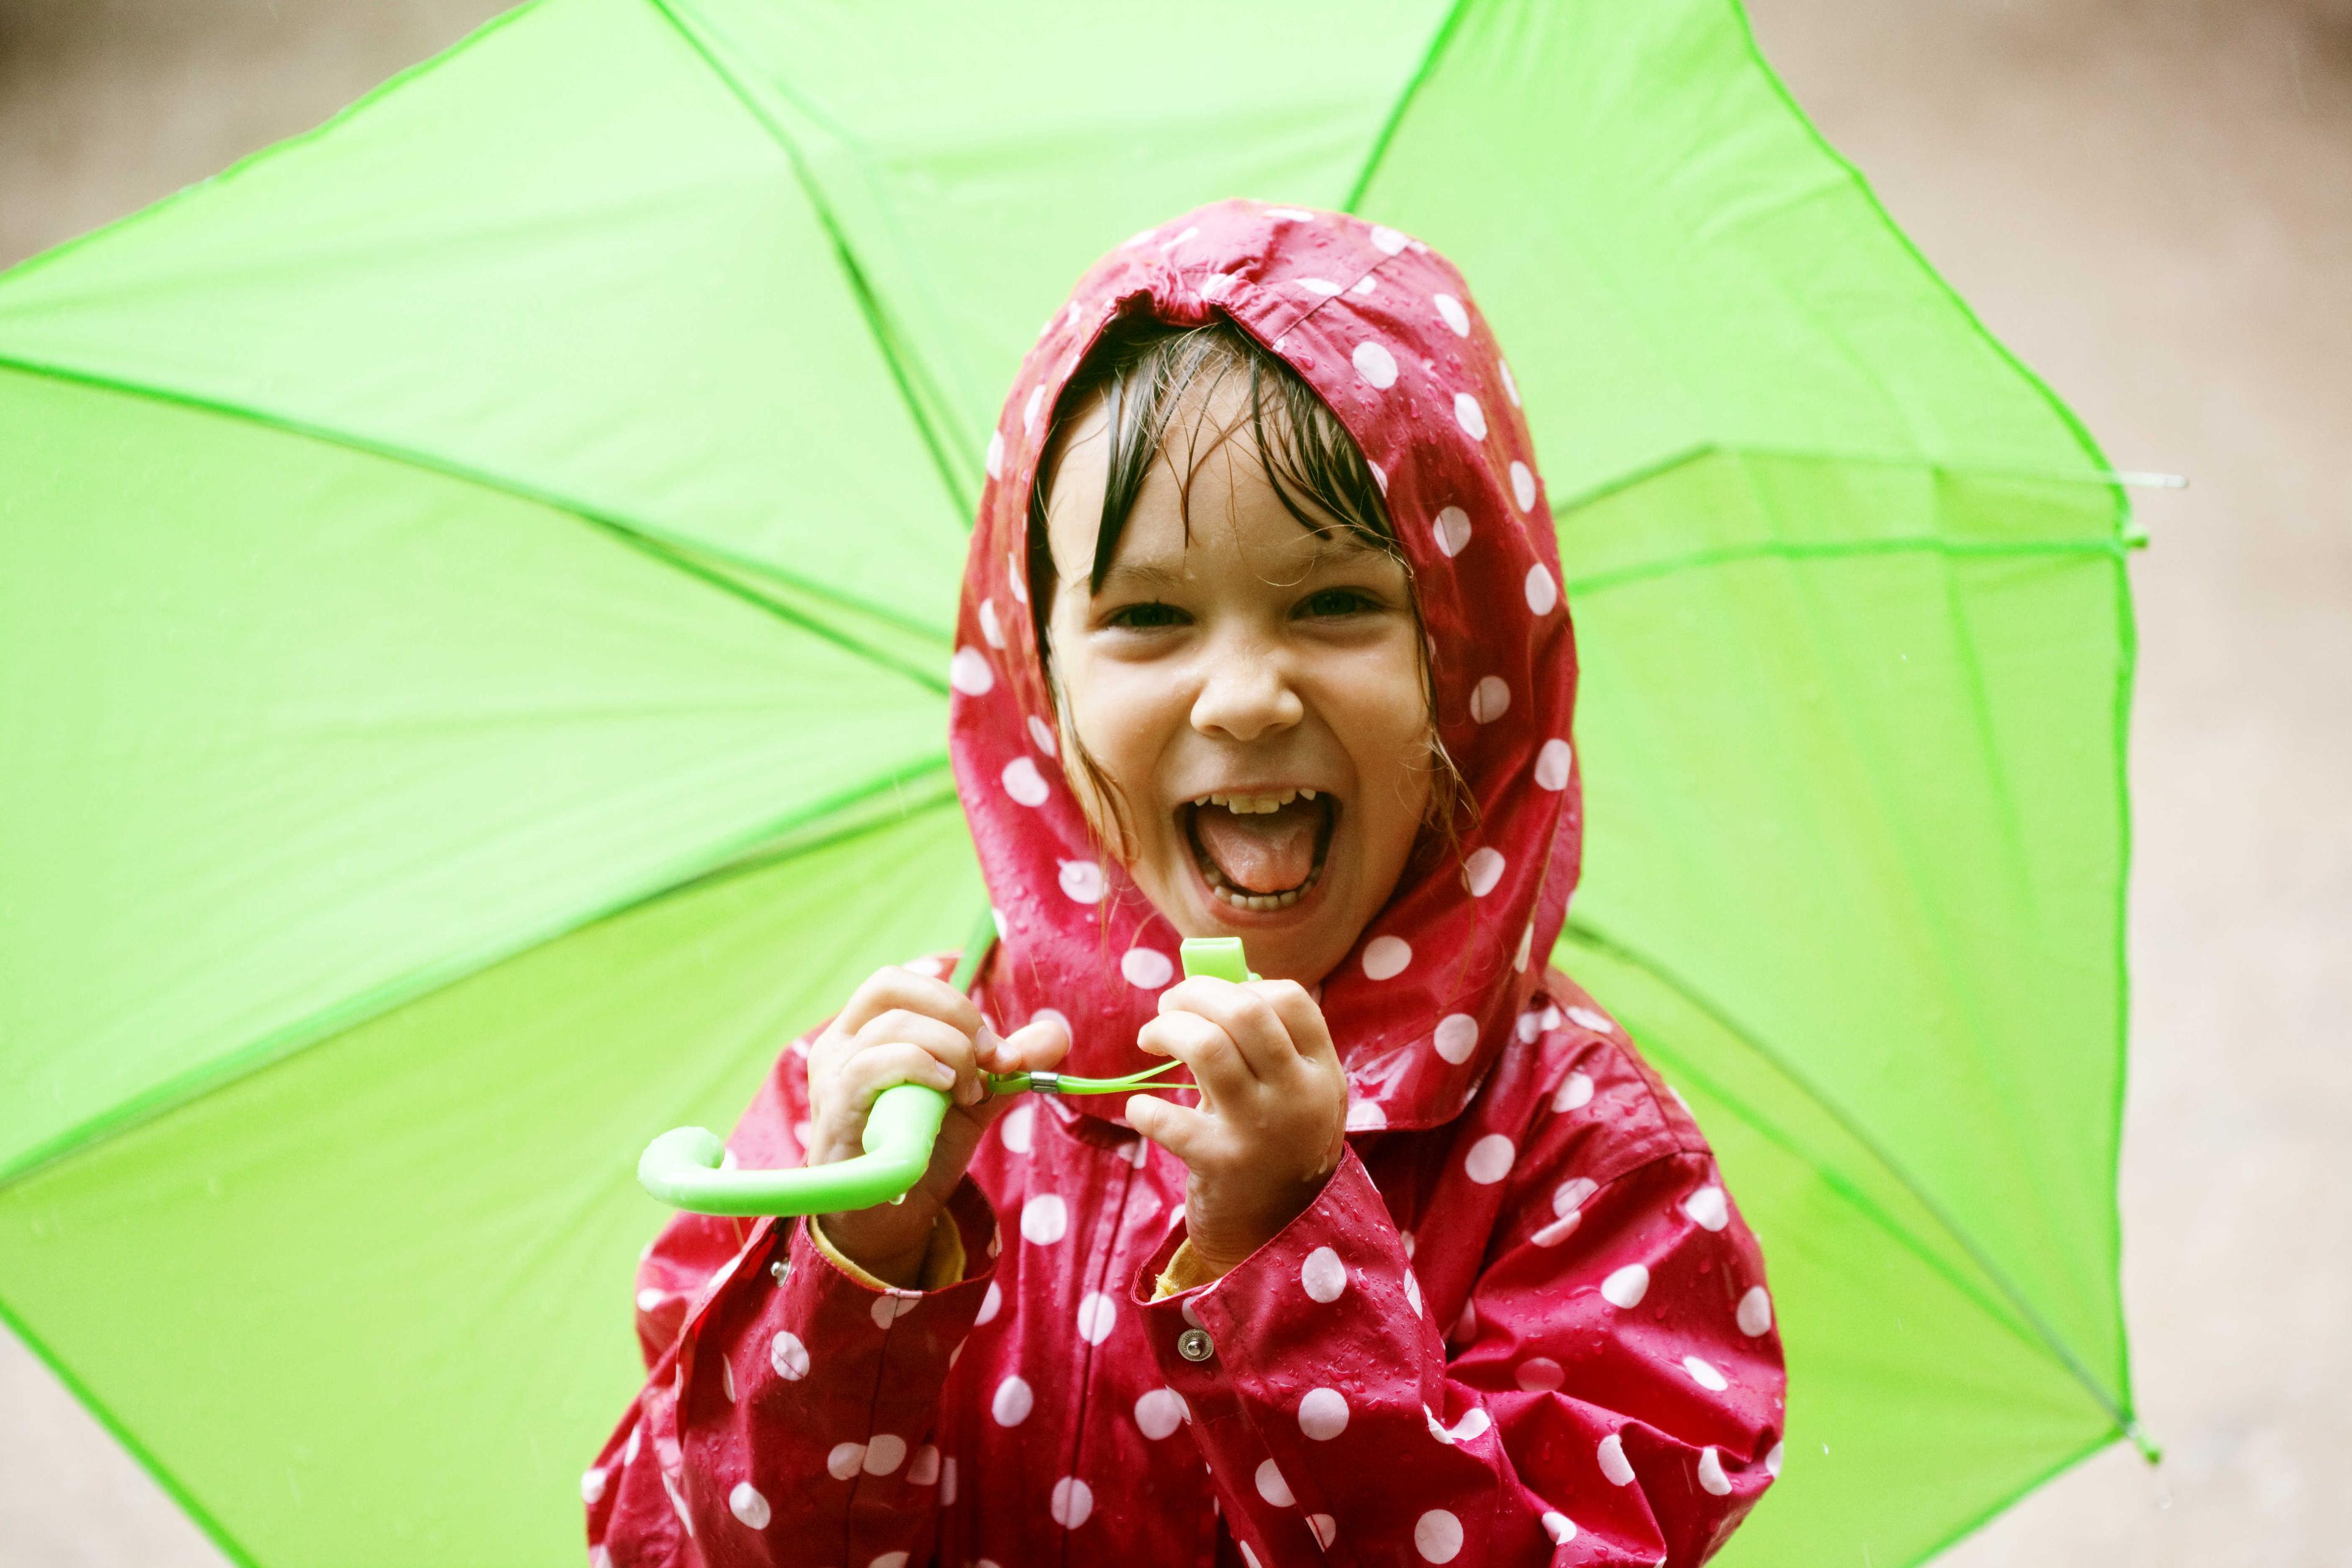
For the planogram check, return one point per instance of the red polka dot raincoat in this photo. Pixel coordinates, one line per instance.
(1523, 1321)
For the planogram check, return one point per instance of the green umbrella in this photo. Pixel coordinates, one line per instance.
(475, 589)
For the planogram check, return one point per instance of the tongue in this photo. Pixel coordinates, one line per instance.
(1263, 852)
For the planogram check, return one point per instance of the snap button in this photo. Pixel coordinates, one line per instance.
(1194, 1344)
(779, 1268)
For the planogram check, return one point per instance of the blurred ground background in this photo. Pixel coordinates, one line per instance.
(2151, 201)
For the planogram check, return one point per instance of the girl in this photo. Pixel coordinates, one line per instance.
(1262, 636)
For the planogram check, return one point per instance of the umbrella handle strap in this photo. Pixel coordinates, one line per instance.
(683, 1167)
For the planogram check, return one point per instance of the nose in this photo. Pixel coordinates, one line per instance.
(1245, 692)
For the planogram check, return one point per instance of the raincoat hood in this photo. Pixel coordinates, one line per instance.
(1383, 328)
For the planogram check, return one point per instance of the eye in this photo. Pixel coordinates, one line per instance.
(1336, 602)
(1145, 616)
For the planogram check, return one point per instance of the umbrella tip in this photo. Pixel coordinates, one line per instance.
(2144, 1442)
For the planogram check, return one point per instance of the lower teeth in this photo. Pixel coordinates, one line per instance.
(1260, 901)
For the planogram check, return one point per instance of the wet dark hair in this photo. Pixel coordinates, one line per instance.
(1142, 368)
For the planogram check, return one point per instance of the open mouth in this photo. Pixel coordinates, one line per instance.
(1261, 851)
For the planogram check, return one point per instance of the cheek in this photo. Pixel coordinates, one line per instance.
(1121, 721)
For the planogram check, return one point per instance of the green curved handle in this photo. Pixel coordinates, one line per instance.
(682, 1167)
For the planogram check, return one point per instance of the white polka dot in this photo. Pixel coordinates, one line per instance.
(1097, 1313)
(885, 1454)
(1146, 969)
(1249, 1558)
(1489, 1160)
(1772, 1462)
(1539, 1374)
(1159, 1413)
(1702, 1372)
(1526, 945)
(1466, 1325)
(925, 1469)
(1411, 1286)
(1272, 1487)
(1710, 1473)
(1559, 1526)
(1188, 234)
(746, 1504)
(1385, 957)
(846, 1460)
(1045, 1218)
(1014, 1400)
(990, 627)
(1019, 1127)
(1510, 387)
(1490, 699)
(1072, 1502)
(1626, 1287)
(1030, 409)
(1679, 1100)
(1323, 286)
(1387, 240)
(1755, 1311)
(1083, 881)
(1569, 1196)
(1574, 1093)
(1706, 1208)
(1042, 735)
(888, 1309)
(1613, 1463)
(1523, 488)
(1530, 1025)
(1366, 1116)
(678, 1502)
(1437, 1536)
(1190, 1316)
(989, 1304)
(1375, 364)
(1542, 592)
(1559, 1230)
(1215, 284)
(1474, 1423)
(1323, 1414)
(1586, 1018)
(1325, 1527)
(889, 1559)
(1323, 1275)
(1016, 578)
(1552, 765)
(1024, 782)
(969, 672)
(1379, 477)
(1456, 1037)
(1482, 870)
(996, 454)
(1295, 214)
(1455, 316)
(1453, 531)
(592, 1486)
(1469, 415)
(1365, 284)
(637, 1435)
(649, 1299)
(1139, 238)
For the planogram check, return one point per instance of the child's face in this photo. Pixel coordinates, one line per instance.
(1254, 696)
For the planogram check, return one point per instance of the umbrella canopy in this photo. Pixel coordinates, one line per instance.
(475, 594)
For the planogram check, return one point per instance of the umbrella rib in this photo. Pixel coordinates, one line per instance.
(657, 544)
(292, 1039)
(1379, 150)
(2053, 1341)
(886, 341)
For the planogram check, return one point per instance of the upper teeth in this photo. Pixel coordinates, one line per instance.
(1249, 805)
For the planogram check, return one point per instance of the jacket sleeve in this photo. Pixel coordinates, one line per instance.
(1613, 1394)
(791, 1399)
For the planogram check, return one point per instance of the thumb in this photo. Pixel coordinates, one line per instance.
(1036, 1047)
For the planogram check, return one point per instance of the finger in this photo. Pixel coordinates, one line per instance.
(1247, 1019)
(1033, 1048)
(1216, 1063)
(1301, 1015)
(1178, 1129)
(904, 989)
(876, 1068)
(945, 1041)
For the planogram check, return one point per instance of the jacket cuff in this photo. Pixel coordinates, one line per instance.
(943, 1259)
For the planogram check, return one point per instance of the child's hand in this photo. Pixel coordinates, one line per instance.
(904, 1027)
(1273, 1115)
